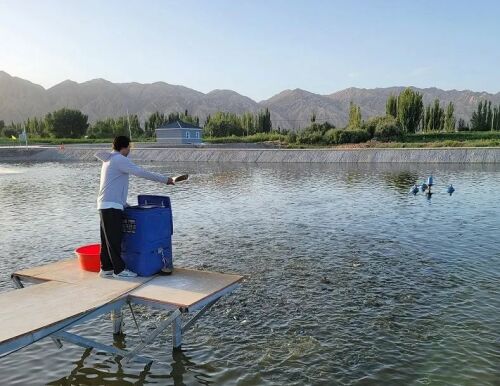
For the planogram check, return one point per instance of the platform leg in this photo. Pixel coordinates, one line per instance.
(17, 282)
(117, 319)
(177, 332)
(152, 335)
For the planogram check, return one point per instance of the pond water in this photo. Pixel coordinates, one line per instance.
(349, 280)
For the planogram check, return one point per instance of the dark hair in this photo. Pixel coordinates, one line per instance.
(121, 142)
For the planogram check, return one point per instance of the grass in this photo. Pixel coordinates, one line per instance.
(463, 136)
(52, 141)
(59, 141)
(7, 141)
(428, 145)
(433, 140)
(254, 138)
(419, 140)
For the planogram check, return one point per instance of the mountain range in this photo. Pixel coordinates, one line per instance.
(98, 98)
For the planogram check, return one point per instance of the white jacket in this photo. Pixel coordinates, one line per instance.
(113, 189)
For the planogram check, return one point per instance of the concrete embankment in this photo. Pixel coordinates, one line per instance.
(440, 155)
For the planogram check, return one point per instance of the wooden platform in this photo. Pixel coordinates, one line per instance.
(67, 293)
(183, 288)
(28, 310)
(66, 271)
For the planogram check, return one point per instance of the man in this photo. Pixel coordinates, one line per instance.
(112, 199)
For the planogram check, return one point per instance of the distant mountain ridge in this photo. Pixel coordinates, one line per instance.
(98, 98)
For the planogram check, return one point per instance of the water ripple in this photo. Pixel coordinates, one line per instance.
(348, 279)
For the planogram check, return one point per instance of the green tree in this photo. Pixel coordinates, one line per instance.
(410, 108)
(263, 122)
(121, 127)
(222, 124)
(462, 126)
(449, 120)
(426, 117)
(67, 123)
(354, 116)
(434, 117)
(102, 129)
(387, 128)
(36, 127)
(135, 126)
(391, 106)
(153, 122)
(489, 117)
(248, 123)
(495, 121)
(480, 117)
(12, 129)
(176, 116)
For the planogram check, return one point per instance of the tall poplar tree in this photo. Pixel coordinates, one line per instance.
(410, 108)
(391, 106)
(354, 116)
(449, 121)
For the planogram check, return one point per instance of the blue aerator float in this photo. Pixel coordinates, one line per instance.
(425, 187)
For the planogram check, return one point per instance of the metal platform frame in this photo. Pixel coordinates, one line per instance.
(58, 332)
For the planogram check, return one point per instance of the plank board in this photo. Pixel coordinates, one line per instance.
(185, 287)
(28, 310)
(66, 271)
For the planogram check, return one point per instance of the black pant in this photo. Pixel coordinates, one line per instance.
(111, 240)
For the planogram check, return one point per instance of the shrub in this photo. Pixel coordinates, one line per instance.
(9, 131)
(292, 137)
(388, 129)
(371, 125)
(310, 137)
(358, 136)
(331, 136)
(339, 136)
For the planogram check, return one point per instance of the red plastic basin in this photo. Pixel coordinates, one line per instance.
(89, 257)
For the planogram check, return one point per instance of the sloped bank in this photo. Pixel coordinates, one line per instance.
(438, 155)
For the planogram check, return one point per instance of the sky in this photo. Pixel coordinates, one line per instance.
(257, 48)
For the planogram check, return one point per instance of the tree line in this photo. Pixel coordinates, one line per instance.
(69, 123)
(405, 113)
(410, 112)
(223, 124)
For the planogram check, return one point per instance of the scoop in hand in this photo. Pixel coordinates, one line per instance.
(180, 178)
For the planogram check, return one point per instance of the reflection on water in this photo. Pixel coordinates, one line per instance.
(94, 369)
(4, 170)
(81, 376)
(349, 278)
(401, 181)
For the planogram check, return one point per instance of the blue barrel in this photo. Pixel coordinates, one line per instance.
(147, 235)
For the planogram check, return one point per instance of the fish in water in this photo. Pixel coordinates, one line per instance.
(450, 189)
(423, 187)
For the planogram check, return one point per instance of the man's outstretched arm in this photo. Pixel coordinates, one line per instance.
(127, 166)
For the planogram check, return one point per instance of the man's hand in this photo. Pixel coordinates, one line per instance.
(170, 181)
